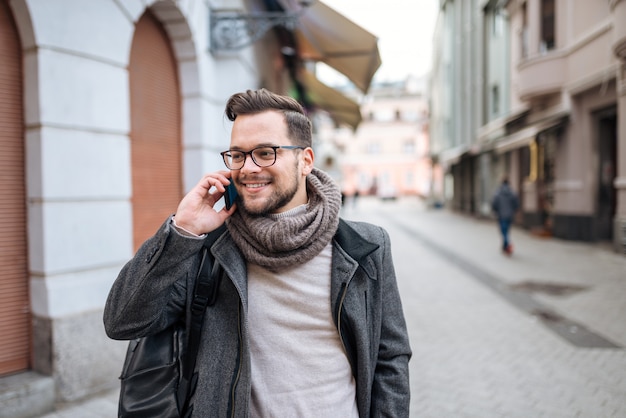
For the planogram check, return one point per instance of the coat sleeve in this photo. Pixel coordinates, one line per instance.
(150, 291)
(391, 392)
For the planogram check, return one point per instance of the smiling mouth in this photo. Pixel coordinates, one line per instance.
(255, 185)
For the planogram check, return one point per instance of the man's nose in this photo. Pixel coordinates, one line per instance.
(249, 166)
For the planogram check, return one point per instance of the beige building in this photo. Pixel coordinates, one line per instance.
(561, 139)
(388, 155)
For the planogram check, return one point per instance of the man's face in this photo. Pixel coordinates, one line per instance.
(279, 187)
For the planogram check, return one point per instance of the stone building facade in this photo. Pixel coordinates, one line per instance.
(110, 110)
(556, 79)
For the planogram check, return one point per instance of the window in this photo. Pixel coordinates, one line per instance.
(524, 33)
(547, 25)
(497, 22)
(410, 115)
(373, 148)
(495, 100)
(409, 178)
(384, 115)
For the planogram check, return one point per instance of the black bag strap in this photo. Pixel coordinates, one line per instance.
(205, 294)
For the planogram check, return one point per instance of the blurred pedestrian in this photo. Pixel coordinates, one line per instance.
(505, 204)
(307, 320)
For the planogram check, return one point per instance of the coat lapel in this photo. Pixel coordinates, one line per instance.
(228, 255)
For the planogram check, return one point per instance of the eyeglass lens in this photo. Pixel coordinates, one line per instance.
(263, 157)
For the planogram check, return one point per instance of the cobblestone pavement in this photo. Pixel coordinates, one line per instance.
(485, 328)
(538, 334)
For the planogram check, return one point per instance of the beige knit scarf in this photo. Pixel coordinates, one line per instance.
(276, 242)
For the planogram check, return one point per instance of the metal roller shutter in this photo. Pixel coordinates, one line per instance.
(14, 297)
(155, 129)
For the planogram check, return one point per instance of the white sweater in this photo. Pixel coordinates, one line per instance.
(299, 365)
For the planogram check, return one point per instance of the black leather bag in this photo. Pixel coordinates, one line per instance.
(151, 374)
(158, 376)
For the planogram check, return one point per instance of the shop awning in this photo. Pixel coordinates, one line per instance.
(341, 109)
(528, 134)
(519, 139)
(452, 155)
(324, 35)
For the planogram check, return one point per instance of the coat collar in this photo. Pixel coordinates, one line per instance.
(352, 250)
(353, 243)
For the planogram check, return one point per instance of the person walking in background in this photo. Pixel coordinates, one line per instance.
(505, 204)
(308, 320)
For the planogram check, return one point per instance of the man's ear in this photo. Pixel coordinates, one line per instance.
(308, 159)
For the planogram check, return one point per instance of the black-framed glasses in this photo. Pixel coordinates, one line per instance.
(264, 156)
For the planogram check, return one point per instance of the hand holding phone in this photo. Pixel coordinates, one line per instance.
(230, 195)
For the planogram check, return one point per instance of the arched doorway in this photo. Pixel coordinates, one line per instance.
(155, 129)
(15, 326)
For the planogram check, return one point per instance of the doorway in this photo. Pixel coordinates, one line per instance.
(606, 197)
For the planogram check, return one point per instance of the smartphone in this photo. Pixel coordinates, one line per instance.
(230, 195)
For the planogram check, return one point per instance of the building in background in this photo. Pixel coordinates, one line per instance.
(109, 112)
(534, 89)
(388, 155)
(456, 98)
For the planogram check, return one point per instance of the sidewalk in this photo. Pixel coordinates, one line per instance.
(585, 280)
(538, 334)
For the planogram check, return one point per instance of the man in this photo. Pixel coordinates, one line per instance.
(504, 205)
(308, 320)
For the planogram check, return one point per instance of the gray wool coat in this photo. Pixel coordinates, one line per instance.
(152, 290)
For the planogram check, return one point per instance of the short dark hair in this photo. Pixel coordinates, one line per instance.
(256, 101)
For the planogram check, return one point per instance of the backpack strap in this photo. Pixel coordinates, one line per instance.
(205, 294)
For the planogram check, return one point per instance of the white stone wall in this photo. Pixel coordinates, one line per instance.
(77, 116)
